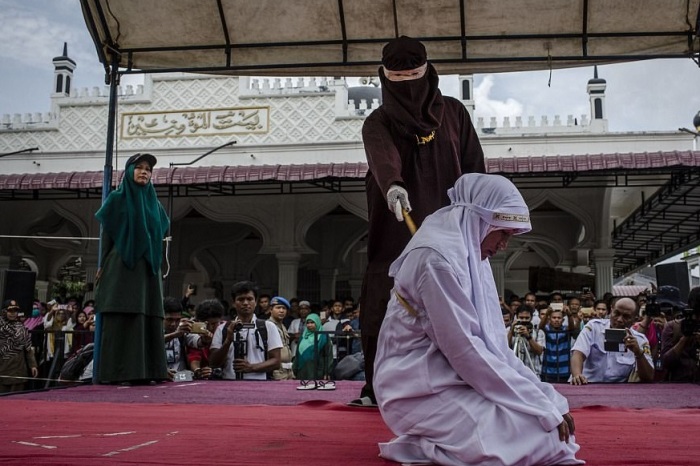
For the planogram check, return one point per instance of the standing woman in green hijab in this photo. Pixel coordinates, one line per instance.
(129, 291)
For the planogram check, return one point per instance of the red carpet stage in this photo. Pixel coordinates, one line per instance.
(271, 423)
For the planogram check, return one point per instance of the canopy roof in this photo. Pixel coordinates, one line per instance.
(345, 37)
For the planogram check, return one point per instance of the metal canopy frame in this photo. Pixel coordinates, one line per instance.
(664, 225)
(344, 37)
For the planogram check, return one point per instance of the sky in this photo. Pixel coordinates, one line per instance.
(655, 95)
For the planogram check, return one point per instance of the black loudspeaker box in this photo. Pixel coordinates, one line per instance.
(19, 285)
(675, 274)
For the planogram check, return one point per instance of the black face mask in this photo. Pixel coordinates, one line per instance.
(414, 105)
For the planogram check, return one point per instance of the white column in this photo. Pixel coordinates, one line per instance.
(604, 259)
(288, 267)
(327, 278)
(42, 290)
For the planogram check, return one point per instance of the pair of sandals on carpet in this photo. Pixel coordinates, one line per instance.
(316, 385)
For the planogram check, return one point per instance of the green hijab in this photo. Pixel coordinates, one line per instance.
(136, 221)
(305, 350)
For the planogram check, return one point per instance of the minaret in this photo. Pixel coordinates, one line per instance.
(596, 94)
(63, 74)
(466, 93)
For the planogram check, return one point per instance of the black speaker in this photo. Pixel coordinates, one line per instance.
(675, 274)
(19, 285)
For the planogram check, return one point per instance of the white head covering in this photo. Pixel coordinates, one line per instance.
(480, 204)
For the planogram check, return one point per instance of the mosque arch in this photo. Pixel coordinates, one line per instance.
(243, 216)
(31, 264)
(567, 206)
(534, 243)
(317, 210)
(350, 244)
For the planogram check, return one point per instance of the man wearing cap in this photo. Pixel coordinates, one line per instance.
(17, 360)
(417, 143)
(279, 307)
(592, 363)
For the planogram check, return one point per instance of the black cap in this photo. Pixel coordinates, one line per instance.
(668, 294)
(10, 304)
(403, 53)
(136, 158)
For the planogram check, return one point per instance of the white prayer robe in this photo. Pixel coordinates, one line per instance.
(446, 382)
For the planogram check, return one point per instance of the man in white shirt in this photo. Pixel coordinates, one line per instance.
(526, 340)
(590, 362)
(255, 362)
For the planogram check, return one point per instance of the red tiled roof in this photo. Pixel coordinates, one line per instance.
(592, 162)
(310, 172)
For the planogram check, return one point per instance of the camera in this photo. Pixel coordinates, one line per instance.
(586, 290)
(652, 308)
(240, 326)
(199, 328)
(519, 324)
(240, 344)
(691, 322)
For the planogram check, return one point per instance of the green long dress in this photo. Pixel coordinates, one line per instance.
(130, 303)
(129, 294)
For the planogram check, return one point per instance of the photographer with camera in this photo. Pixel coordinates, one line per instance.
(246, 347)
(208, 317)
(598, 357)
(654, 308)
(175, 328)
(526, 340)
(680, 341)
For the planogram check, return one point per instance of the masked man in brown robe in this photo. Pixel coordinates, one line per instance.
(418, 143)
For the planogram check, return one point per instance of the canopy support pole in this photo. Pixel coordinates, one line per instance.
(113, 80)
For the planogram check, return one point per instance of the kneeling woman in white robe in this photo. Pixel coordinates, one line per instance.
(446, 382)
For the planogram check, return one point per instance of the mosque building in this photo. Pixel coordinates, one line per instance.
(263, 179)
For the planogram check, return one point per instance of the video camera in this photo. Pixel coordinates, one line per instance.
(652, 308)
(240, 344)
(240, 326)
(520, 324)
(691, 321)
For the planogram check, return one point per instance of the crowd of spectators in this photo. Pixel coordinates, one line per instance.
(578, 339)
(563, 337)
(259, 337)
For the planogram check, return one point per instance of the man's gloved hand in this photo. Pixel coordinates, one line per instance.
(397, 199)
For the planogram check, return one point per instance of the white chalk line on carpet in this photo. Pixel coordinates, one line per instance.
(131, 448)
(30, 444)
(107, 434)
(136, 447)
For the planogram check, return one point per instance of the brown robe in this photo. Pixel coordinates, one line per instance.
(426, 172)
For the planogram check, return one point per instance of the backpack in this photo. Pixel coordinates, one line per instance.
(75, 365)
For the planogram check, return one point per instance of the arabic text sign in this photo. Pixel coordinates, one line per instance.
(209, 122)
